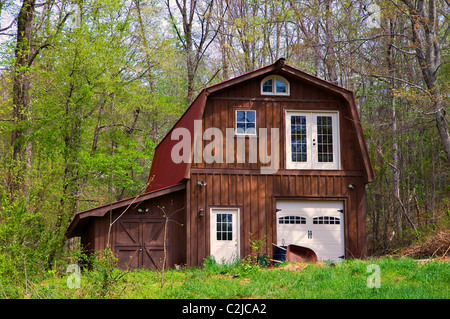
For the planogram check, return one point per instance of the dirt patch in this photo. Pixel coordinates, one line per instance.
(244, 281)
(297, 266)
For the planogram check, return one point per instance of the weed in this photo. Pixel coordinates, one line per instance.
(105, 274)
(400, 278)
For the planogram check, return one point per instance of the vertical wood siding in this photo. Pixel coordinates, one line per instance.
(256, 197)
(241, 184)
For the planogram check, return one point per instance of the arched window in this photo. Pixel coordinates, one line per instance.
(274, 85)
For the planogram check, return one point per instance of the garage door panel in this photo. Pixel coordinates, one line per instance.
(329, 237)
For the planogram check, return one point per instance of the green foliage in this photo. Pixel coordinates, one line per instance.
(97, 111)
(25, 243)
(259, 254)
(400, 278)
(105, 89)
(104, 277)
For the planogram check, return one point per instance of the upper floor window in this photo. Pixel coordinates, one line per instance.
(312, 140)
(245, 122)
(274, 85)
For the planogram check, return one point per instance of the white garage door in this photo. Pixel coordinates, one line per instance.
(318, 225)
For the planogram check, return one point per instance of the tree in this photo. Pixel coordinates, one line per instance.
(28, 44)
(428, 40)
(195, 35)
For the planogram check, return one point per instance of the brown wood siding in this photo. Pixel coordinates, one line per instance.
(256, 197)
(220, 113)
(241, 184)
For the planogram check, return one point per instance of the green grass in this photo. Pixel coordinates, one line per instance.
(400, 278)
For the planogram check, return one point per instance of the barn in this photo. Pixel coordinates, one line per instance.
(274, 154)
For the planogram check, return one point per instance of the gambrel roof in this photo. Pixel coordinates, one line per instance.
(164, 172)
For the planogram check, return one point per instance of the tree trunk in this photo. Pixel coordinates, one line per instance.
(329, 55)
(443, 127)
(20, 96)
(194, 47)
(395, 164)
(428, 54)
(21, 80)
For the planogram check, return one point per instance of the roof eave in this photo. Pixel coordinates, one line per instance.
(100, 211)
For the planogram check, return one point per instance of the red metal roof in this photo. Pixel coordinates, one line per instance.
(164, 172)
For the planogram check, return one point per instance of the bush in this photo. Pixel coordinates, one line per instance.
(23, 241)
(105, 274)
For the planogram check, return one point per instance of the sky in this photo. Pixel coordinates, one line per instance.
(9, 11)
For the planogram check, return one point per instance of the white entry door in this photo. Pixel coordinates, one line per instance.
(318, 225)
(224, 234)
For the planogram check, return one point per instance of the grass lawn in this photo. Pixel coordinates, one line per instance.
(398, 278)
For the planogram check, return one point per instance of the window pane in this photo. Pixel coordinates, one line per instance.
(281, 87)
(250, 116)
(240, 116)
(240, 128)
(246, 122)
(250, 129)
(328, 220)
(224, 227)
(324, 139)
(298, 138)
(267, 86)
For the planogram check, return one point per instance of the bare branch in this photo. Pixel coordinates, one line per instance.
(9, 26)
(378, 76)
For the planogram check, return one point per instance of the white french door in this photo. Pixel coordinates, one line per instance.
(312, 140)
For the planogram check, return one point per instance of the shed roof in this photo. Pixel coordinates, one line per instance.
(81, 219)
(164, 172)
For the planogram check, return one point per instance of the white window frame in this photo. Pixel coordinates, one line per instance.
(235, 124)
(311, 141)
(274, 79)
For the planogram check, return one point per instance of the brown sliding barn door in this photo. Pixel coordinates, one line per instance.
(139, 242)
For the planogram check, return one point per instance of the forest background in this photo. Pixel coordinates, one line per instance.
(89, 87)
